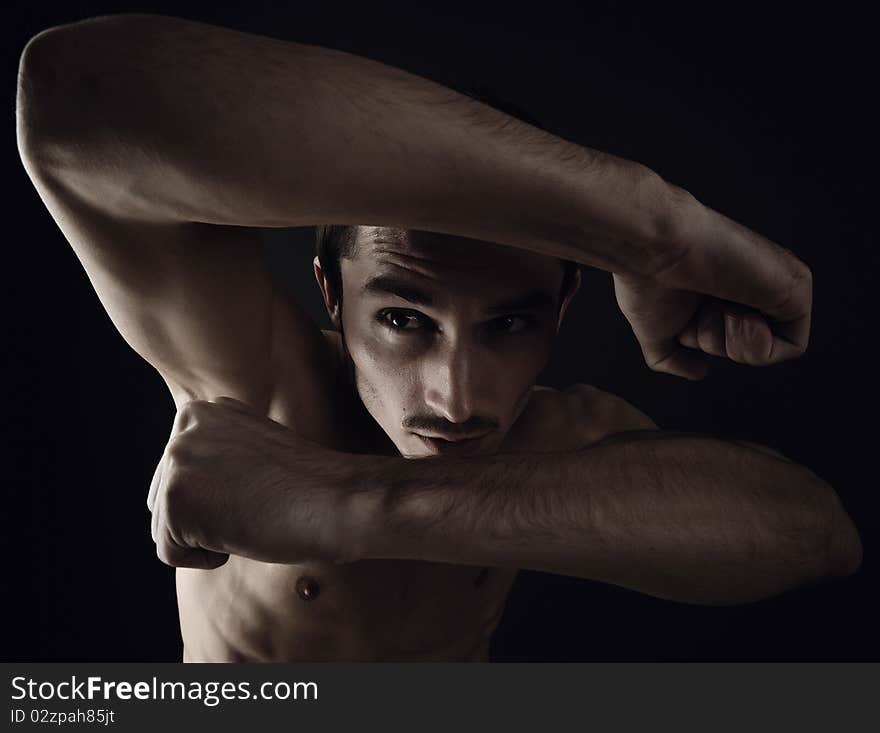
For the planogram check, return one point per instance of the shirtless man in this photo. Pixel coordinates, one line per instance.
(287, 497)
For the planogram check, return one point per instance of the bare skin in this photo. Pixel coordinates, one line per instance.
(369, 610)
(161, 208)
(390, 609)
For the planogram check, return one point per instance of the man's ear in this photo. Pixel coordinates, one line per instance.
(331, 300)
(573, 288)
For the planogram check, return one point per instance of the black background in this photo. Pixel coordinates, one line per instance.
(763, 112)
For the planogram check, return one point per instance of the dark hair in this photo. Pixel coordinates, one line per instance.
(335, 241)
(332, 243)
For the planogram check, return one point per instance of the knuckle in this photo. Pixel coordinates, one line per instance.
(178, 452)
(797, 291)
(187, 408)
(194, 410)
(175, 496)
(800, 274)
(182, 511)
(163, 552)
(806, 283)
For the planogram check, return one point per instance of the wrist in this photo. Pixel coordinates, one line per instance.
(620, 216)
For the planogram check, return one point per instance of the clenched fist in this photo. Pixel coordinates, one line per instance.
(729, 292)
(234, 481)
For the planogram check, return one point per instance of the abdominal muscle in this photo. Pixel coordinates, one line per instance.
(370, 610)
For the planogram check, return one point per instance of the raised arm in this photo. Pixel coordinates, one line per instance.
(225, 127)
(184, 121)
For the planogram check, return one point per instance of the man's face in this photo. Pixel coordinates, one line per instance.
(446, 335)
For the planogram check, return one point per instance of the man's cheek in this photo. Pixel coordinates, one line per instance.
(379, 397)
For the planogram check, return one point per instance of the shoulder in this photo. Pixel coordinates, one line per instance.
(599, 414)
(573, 418)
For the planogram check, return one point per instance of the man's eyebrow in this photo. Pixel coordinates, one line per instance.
(535, 300)
(384, 284)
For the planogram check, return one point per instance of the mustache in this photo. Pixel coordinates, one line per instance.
(429, 423)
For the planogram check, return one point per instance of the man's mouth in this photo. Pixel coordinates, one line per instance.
(452, 446)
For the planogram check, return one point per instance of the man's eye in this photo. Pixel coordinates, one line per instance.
(512, 323)
(398, 320)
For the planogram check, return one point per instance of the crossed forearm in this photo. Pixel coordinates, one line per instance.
(678, 516)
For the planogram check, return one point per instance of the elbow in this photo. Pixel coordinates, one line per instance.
(834, 548)
(44, 109)
(59, 94)
(30, 95)
(843, 546)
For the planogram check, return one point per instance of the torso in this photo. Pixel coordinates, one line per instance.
(371, 610)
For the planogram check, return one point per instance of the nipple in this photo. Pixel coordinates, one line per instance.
(307, 587)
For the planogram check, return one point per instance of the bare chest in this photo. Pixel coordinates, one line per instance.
(368, 610)
(382, 610)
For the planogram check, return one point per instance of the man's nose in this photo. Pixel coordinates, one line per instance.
(453, 384)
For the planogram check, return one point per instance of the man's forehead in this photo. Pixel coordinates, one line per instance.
(438, 254)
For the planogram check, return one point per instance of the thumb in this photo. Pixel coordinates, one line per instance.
(682, 362)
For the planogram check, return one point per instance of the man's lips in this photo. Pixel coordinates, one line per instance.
(452, 439)
(455, 446)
